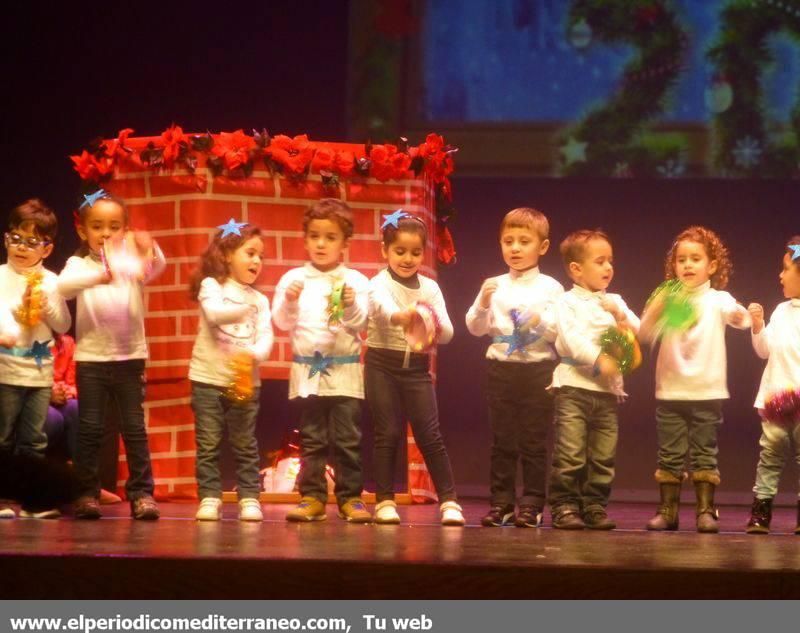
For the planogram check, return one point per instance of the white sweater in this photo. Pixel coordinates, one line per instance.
(692, 365)
(779, 342)
(110, 317)
(528, 292)
(387, 296)
(580, 321)
(18, 369)
(306, 320)
(233, 317)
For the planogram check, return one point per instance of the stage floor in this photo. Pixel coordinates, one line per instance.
(178, 557)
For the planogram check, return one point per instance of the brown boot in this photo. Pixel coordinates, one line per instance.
(705, 481)
(666, 517)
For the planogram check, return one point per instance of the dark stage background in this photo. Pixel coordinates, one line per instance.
(69, 76)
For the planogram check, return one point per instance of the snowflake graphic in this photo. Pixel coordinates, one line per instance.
(672, 168)
(747, 152)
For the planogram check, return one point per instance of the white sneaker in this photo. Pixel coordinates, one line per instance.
(386, 513)
(250, 510)
(7, 513)
(44, 514)
(210, 509)
(451, 513)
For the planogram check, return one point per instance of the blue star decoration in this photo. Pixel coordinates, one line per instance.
(232, 227)
(39, 352)
(320, 365)
(89, 200)
(795, 248)
(519, 339)
(393, 218)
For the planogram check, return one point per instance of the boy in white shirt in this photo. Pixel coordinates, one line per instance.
(324, 307)
(32, 309)
(588, 385)
(517, 310)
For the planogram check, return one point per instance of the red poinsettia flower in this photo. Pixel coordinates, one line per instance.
(324, 159)
(84, 164)
(172, 138)
(439, 167)
(387, 162)
(117, 149)
(445, 248)
(233, 148)
(400, 164)
(433, 145)
(293, 154)
(344, 164)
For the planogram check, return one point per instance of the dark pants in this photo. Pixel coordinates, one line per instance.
(124, 382)
(687, 428)
(22, 414)
(585, 450)
(330, 422)
(520, 413)
(212, 413)
(395, 393)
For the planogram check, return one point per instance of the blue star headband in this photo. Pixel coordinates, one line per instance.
(795, 248)
(89, 200)
(393, 219)
(231, 227)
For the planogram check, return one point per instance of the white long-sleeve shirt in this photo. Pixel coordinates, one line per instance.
(529, 292)
(233, 317)
(15, 368)
(387, 296)
(692, 365)
(779, 343)
(580, 321)
(306, 320)
(110, 316)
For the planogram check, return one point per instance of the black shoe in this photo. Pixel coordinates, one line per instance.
(597, 519)
(498, 516)
(760, 517)
(528, 517)
(87, 508)
(568, 520)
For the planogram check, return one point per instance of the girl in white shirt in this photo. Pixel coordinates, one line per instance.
(111, 348)
(397, 379)
(691, 375)
(235, 333)
(779, 343)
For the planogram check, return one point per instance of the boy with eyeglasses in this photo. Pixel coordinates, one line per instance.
(31, 309)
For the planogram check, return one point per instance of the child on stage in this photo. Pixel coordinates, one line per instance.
(778, 396)
(235, 333)
(398, 379)
(691, 374)
(588, 384)
(517, 310)
(107, 275)
(32, 309)
(323, 305)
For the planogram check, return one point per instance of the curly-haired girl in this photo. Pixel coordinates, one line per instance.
(235, 331)
(691, 375)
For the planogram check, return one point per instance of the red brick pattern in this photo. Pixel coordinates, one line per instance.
(181, 210)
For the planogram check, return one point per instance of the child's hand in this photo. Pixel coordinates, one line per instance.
(144, 243)
(534, 319)
(7, 340)
(348, 296)
(756, 316)
(611, 306)
(58, 396)
(607, 366)
(738, 317)
(293, 291)
(402, 318)
(487, 290)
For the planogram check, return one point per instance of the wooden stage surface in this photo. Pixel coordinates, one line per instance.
(178, 557)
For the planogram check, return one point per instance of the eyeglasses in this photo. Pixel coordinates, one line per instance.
(15, 239)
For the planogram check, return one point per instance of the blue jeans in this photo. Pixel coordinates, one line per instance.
(212, 413)
(330, 422)
(687, 427)
(585, 450)
(61, 428)
(776, 441)
(22, 414)
(395, 393)
(124, 382)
